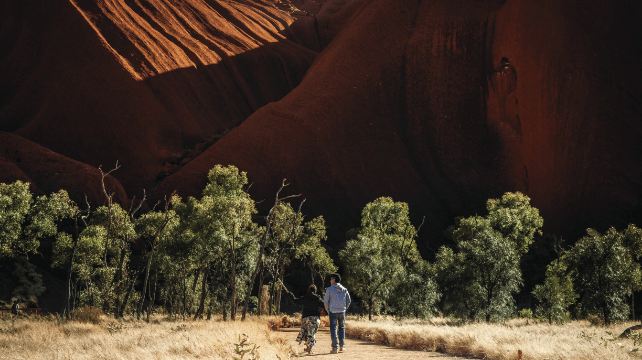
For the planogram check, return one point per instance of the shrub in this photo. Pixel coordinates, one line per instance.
(87, 314)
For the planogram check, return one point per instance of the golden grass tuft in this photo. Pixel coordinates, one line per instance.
(537, 340)
(36, 338)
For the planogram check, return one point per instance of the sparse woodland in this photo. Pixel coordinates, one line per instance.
(201, 259)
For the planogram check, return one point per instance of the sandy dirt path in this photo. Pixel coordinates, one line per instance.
(358, 349)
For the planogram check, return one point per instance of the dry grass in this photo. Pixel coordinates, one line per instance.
(47, 338)
(576, 340)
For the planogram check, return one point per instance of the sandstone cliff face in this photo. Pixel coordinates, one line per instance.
(441, 104)
(445, 104)
(140, 81)
(47, 172)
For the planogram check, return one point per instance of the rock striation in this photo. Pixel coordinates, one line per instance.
(140, 81)
(444, 104)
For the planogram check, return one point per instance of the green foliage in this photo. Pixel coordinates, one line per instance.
(244, 347)
(101, 255)
(556, 294)
(311, 248)
(30, 283)
(24, 220)
(384, 260)
(479, 280)
(215, 240)
(525, 313)
(389, 222)
(415, 292)
(512, 217)
(291, 238)
(605, 273)
(632, 240)
(369, 270)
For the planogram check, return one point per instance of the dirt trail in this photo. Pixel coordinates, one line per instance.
(358, 349)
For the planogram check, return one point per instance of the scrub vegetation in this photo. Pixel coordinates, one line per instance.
(192, 259)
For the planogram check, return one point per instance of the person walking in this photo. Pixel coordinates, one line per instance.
(337, 300)
(310, 316)
(15, 308)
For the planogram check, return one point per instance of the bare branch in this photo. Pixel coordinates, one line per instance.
(422, 224)
(139, 204)
(155, 205)
(102, 180)
(300, 205)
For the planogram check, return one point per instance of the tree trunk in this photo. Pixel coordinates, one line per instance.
(369, 309)
(265, 235)
(184, 288)
(279, 290)
(123, 305)
(67, 307)
(225, 311)
(157, 236)
(260, 306)
(201, 306)
(271, 302)
(196, 277)
(265, 299)
(607, 315)
(152, 296)
(209, 309)
(117, 280)
(233, 297)
(488, 302)
(633, 305)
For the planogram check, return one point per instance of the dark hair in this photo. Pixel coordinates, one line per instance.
(312, 288)
(336, 277)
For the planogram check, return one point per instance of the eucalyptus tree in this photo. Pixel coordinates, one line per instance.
(219, 225)
(391, 263)
(100, 254)
(369, 270)
(415, 292)
(25, 220)
(556, 294)
(605, 273)
(291, 238)
(285, 235)
(479, 280)
(389, 222)
(313, 252)
(265, 234)
(633, 242)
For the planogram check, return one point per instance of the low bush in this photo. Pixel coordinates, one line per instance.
(87, 314)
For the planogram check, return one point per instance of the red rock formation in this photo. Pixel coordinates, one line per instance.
(411, 100)
(47, 171)
(139, 81)
(442, 104)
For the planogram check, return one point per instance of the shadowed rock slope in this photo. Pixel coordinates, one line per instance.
(140, 81)
(444, 104)
(47, 172)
